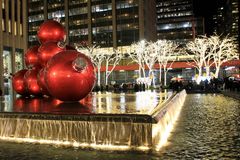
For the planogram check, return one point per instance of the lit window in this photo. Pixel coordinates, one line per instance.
(78, 32)
(102, 7)
(32, 38)
(78, 11)
(56, 14)
(35, 18)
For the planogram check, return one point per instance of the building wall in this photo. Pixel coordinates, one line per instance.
(227, 19)
(176, 21)
(150, 20)
(13, 40)
(107, 23)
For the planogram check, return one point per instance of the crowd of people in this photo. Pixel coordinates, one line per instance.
(212, 85)
(231, 84)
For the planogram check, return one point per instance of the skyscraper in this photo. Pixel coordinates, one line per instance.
(176, 21)
(12, 40)
(227, 19)
(107, 23)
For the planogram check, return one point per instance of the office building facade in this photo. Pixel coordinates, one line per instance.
(107, 23)
(226, 19)
(176, 21)
(13, 40)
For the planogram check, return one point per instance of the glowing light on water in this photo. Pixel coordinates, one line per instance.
(170, 113)
(122, 133)
(146, 101)
(123, 103)
(165, 134)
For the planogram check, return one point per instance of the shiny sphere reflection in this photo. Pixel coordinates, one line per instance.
(67, 82)
(31, 58)
(51, 30)
(48, 50)
(18, 82)
(41, 82)
(30, 79)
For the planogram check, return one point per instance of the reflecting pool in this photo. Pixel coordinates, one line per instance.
(95, 103)
(208, 128)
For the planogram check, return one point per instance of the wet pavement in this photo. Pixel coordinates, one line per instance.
(208, 128)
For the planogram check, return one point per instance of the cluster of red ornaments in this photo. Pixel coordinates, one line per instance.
(55, 69)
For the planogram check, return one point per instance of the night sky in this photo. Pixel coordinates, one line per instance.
(206, 9)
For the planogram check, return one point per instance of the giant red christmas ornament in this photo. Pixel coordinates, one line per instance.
(30, 79)
(51, 30)
(41, 82)
(18, 82)
(31, 58)
(47, 50)
(70, 76)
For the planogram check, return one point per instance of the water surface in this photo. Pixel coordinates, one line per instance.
(208, 128)
(94, 103)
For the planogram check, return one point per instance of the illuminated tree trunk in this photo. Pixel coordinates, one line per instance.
(139, 72)
(217, 71)
(99, 75)
(160, 73)
(106, 72)
(207, 71)
(144, 74)
(200, 72)
(165, 76)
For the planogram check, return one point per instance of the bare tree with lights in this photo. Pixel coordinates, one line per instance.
(112, 59)
(136, 53)
(157, 49)
(150, 58)
(87, 50)
(166, 54)
(97, 56)
(197, 51)
(169, 56)
(208, 60)
(222, 50)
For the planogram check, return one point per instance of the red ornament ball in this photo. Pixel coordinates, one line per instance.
(70, 76)
(18, 82)
(47, 50)
(51, 30)
(30, 79)
(31, 57)
(41, 82)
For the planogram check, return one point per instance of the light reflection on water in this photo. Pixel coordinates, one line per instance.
(108, 102)
(208, 128)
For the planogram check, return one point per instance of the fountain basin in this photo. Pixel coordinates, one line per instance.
(111, 131)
